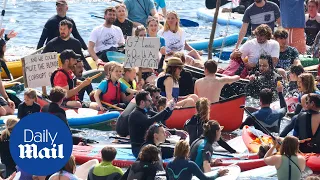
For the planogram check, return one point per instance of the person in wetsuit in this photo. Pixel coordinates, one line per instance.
(307, 125)
(139, 122)
(312, 19)
(181, 168)
(65, 41)
(194, 126)
(269, 118)
(29, 105)
(51, 28)
(201, 148)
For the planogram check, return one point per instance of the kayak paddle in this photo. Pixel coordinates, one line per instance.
(183, 22)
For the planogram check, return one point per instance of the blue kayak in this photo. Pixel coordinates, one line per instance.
(223, 18)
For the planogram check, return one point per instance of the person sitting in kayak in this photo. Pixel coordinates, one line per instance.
(295, 71)
(269, 118)
(122, 20)
(57, 95)
(168, 82)
(210, 81)
(289, 163)
(194, 126)
(175, 38)
(247, 57)
(128, 78)
(139, 122)
(182, 168)
(266, 77)
(51, 28)
(202, 150)
(3, 48)
(5, 154)
(110, 90)
(288, 55)
(77, 71)
(307, 125)
(146, 167)
(67, 172)
(29, 105)
(306, 85)
(65, 41)
(105, 169)
(105, 37)
(64, 77)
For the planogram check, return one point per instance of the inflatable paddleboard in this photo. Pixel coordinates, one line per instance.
(233, 174)
(83, 170)
(265, 171)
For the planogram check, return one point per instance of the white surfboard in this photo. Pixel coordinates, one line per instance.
(83, 170)
(236, 143)
(265, 171)
(233, 174)
(17, 176)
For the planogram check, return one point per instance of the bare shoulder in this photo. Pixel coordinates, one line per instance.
(199, 80)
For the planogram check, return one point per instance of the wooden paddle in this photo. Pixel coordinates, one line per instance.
(112, 106)
(95, 76)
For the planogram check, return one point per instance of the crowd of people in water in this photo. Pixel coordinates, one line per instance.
(269, 60)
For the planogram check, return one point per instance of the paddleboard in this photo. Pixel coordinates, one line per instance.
(236, 143)
(265, 171)
(83, 170)
(233, 174)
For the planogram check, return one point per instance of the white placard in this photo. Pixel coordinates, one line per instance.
(38, 69)
(142, 52)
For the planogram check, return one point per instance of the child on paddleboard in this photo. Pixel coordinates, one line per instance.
(29, 105)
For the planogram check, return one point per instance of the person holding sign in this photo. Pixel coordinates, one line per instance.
(65, 78)
(110, 90)
(106, 37)
(168, 82)
(175, 38)
(65, 41)
(51, 28)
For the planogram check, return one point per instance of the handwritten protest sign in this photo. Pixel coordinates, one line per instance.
(38, 69)
(142, 52)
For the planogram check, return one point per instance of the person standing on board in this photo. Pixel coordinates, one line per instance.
(140, 10)
(105, 37)
(210, 81)
(51, 28)
(260, 12)
(65, 41)
(312, 22)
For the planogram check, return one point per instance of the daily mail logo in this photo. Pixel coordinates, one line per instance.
(41, 144)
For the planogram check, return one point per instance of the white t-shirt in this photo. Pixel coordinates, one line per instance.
(174, 41)
(105, 38)
(253, 49)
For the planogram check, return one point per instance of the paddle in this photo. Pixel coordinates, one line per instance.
(183, 22)
(112, 106)
(211, 4)
(229, 155)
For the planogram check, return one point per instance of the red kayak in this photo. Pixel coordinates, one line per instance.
(227, 112)
(313, 161)
(252, 141)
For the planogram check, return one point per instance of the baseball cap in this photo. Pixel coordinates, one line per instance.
(68, 53)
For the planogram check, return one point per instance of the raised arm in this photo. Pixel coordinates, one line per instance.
(243, 32)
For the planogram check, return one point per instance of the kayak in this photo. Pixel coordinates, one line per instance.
(308, 60)
(15, 67)
(252, 141)
(313, 161)
(15, 85)
(233, 174)
(227, 112)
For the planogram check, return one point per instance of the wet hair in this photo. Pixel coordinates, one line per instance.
(149, 153)
(153, 129)
(308, 82)
(315, 98)
(70, 166)
(314, 1)
(139, 29)
(30, 93)
(162, 102)
(210, 129)
(211, 66)
(109, 9)
(166, 25)
(269, 59)
(113, 67)
(263, 30)
(181, 56)
(280, 33)
(57, 94)
(289, 146)
(203, 109)
(108, 153)
(66, 22)
(266, 96)
(9, 125)
(182, 149)
(296, 69)
(141, 96)
(152, 89)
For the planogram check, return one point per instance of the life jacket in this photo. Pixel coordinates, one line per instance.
(112, 94)
(71, 82)
(175, 88)
(132, 84)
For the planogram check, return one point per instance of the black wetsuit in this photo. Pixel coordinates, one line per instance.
(126, 27)
(58, 45)
(55, 109)
(186, 83)
(194, 127)
(3, 65)
(139, 123)
(122, 126)
(24, 110)
(141, 170)
(51, 30)
(6, 157)
(201, 150)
